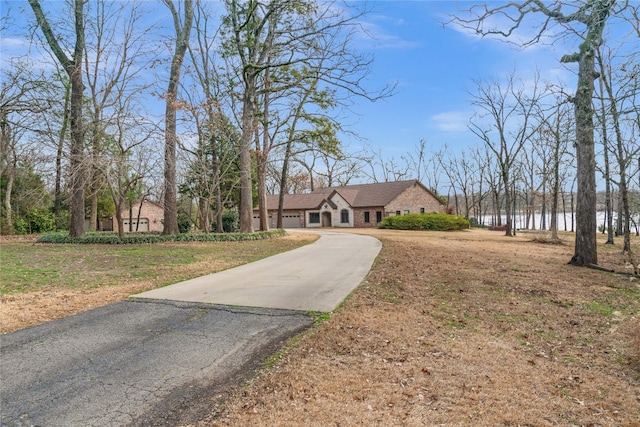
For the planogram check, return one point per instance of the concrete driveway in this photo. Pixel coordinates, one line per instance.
(158, 359)
(316, 277)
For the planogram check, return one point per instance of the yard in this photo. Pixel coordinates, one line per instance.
(462, 328)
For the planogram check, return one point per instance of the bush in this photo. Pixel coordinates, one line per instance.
(113, 239)
(21, 226)
(34, 222)
(430, 221)
(230, 221)
(63, 221)
(41, 221)
(184, 222)
(5, 230)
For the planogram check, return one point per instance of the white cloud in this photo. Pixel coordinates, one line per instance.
(451, 121)
(377, 32)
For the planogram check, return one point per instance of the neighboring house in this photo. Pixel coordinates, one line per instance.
(150, 219)
(351, 206)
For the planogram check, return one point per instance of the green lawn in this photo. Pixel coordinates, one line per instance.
(26, 267)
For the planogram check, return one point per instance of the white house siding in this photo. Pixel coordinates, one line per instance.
(309, 224)
(341, 204)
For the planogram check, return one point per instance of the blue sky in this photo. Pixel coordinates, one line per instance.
(435, 66)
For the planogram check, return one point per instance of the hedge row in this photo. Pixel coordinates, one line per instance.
(426, 221)
(113, 239)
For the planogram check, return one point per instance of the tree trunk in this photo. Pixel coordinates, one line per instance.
(508, 202)
(621, 155)
(139, 211)
(607, 178)
(262, 156)
(119, 220)
(73, 68)
(77, 155)
(262, 193)
(283, 181)
(543, 211)
(170, 186)
(585, 243)
(204, 213)
(248, 127)
(7, 199)
(57, 204)
(586, 251)
(556, 188)
(215, 169)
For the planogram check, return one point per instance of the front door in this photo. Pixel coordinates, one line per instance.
(326, 219)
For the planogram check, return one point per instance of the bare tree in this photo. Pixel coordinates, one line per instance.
(127, 161)
(479, 194)
(620, 104)
(204, 63)
(461, 172)
(182, 27)
(504, 124)
(555, 133)
(19, 105)
(115, 43)
(73, 68)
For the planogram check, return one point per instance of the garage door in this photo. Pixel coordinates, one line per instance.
(143, 226)
(291, 221)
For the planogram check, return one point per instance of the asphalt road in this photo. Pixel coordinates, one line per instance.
(135, 363)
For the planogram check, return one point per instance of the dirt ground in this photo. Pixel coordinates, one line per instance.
(465, 328)
(461, 329)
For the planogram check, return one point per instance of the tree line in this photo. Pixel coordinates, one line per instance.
(208, 107)
(242, 79)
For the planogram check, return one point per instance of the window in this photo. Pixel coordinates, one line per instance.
(378, 216)
(406, 212)
(397, 212)
(314, 217)
(366, 217)
(344, 216)
(421, 210)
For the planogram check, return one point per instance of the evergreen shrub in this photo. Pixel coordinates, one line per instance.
(142, 238)
(426, 221)
(230, 221)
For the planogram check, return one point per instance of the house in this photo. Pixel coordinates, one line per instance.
(358, 206)
(150, 217)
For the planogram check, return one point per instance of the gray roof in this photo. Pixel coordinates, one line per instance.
(358, 196)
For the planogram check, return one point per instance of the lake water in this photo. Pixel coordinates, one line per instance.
(562, 219)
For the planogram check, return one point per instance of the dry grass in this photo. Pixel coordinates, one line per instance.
(462, 329)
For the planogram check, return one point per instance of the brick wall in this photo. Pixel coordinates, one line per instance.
(414, 198)
(151, 212)
(359, 217)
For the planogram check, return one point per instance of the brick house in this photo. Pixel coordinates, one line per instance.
(151, 217)
(357, 206)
